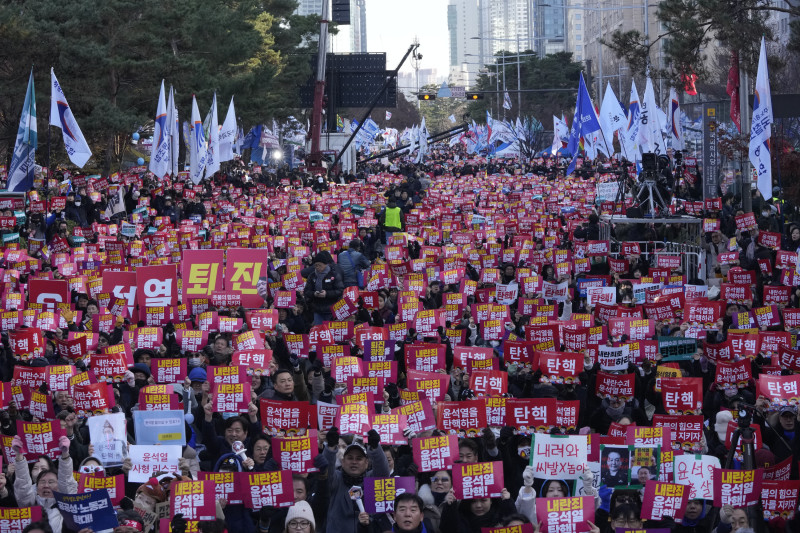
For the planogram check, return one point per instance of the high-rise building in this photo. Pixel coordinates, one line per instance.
(463, 25)
(505, 25)
(352, 37)
(549, 23)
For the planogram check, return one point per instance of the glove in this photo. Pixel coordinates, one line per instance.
(316, 366)
(489, 441)
(332, 437)
(320, 463)
(527, 476)
(68, 315)
(392, 389)
(373, 439)
(506, 433)
(295, 361)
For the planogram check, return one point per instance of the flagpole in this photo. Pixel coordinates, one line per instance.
(744, 113)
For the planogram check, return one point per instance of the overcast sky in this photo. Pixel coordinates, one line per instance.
(392, 26)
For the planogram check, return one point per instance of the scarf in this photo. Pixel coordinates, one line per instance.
(321, 277)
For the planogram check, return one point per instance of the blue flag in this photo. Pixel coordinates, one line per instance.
(20, 173)
(584, 123)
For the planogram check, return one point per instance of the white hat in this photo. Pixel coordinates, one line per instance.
(721, 424)
(300, 510)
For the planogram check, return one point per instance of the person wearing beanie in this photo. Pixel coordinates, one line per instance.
(300, 518)
(324, 287)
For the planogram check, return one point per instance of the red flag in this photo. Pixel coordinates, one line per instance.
(733, 90)
(688, 83)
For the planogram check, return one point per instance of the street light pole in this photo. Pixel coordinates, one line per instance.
(519, 93)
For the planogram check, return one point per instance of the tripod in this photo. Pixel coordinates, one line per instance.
(625, 185)
(649, 190)
(745, 435)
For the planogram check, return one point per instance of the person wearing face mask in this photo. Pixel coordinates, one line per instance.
(75, 211)
(780, 432)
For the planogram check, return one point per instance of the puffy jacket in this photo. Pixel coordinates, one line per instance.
(26, 494)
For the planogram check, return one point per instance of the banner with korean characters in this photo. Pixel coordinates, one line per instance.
(781, 390)
(559, 515)
(779, 498)
(15, 519)
(297, 453)
(432, 454)
(662, 500)
(380, 492)
(557, 456)
(737, 488)
(147, 460)
(196, 500)
(228, 485)
(467, 418)
(281, 418)
(478, 480)
(697, 472)
(91, 509)
(40, 438)
(268, 489)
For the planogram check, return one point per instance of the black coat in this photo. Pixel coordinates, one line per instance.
(333, 286)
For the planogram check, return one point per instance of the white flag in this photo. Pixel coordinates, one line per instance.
(160, 163)
(675, 132)
(612, 116)
(650, 137)
(506, 101)
(116, 201)
(212, 155)
(761, 126)
(227, 135)
(61, 117)
(174, 132)
(388, 115)
(197, 145)
(630, 137)
(452, 118)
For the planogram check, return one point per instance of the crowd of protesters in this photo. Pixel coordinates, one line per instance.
(444, 236)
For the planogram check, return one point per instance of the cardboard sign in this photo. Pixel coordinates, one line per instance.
(380, 492)
(147, 460)
(664, 500)
(478, 480)
(696, 471)
(558, 457)
(196, 500)
(432, 454)
(92, 509)
(268, 489)
(737, 488)
(565, 514)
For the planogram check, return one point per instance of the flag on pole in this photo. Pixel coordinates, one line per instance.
(212, 153)
(560, 132)
(174, 132)
(760, 128)
(227, 135)
(630, 137)
(612, 116)
(452, 118)
(20, 173)
(197, 145)
(506, 101)
(584, 123)
(61, 117)
(388, 115)
(160, 164)
(650, 136)
(675, 132)
(733, 90)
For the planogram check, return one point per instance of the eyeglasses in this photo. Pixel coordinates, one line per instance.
(298, 524)
(621, 522)
(440, 479)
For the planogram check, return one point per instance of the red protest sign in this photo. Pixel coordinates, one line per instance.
(781, 390)
(15, 519)
(432, 454)
(779, 499)
(40, 438)
(682, 396)
(467, 418)
(478, 480)
(297, 453)
(196, 500)
(565, 514)
(243, 270)
(489, 382)
(201, 271)
(286, 417)
(157, 286)
(737, 488)
(390, 427)
(168, 370)
(419, 415)
(227, 484)
(664, 500)
(230, 397)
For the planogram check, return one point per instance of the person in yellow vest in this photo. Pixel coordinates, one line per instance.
(392, 219)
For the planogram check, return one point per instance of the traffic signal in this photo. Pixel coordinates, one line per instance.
(474, 96)
(426, 97)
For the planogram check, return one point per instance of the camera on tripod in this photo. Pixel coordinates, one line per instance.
(649, 167)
